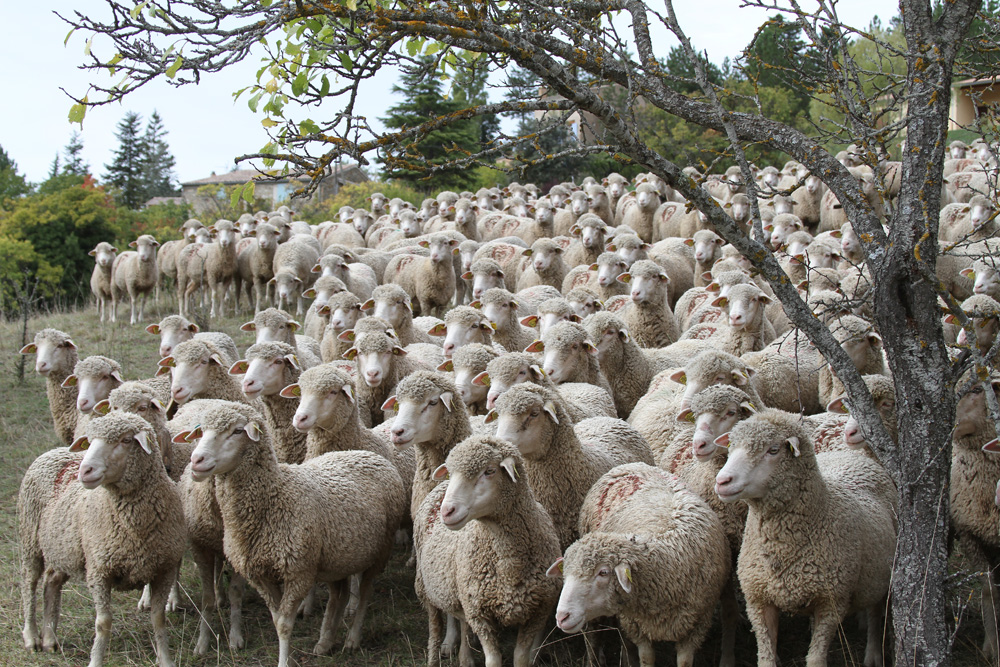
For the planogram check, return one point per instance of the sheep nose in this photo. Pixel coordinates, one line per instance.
(979, 289)
(491, 400)
(398, 432)
(449, 349)
(735, 319)
(636, 296)
(165, 351)
(561, 618)
(447, 511)
(852, 433)
(722, 480)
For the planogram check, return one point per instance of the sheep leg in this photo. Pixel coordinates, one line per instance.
(434, 646)
(826, 622)
(647, 656)
(465, 657)
(990, 601)
(50, 614)
(450, 636)
(528, 638)
(765, 628)
(174, 600)
(159, 591)
(729, 618)
(331, 618)
(284, 615)
(489, 640)
(209, 604)
(685, 653)
(306, 608)
(101, 592)
(366, 582)
(31, 572)
(352, 606)
(143, 603)
(876, 626)
(237, 586)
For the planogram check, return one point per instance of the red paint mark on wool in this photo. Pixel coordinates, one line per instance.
(696, 302)
(502, 254)
(681, 457)
(404, 261)
(615, 492)
(435, 516)
(65, 475)
(704, 333)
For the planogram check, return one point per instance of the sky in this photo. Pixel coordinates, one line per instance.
(206, 128)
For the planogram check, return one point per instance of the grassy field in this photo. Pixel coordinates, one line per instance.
(396, 626)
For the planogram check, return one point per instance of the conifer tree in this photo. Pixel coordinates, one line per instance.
(158, 163)
(75, 164)
(126, 170)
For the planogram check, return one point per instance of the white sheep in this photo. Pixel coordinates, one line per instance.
(134, 274)
(100, 279)
(277, 325)
(293, 262)
(56, 356)
(430, 281)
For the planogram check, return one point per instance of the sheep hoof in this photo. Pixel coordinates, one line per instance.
(236, 641)
(322, 648)
(143, 603)
(31, 641)
(352, 643)
(50, 645)
(201, 648)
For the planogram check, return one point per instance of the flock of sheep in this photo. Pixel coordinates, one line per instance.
(581, 405)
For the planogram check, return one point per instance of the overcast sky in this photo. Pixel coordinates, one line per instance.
(206, 129)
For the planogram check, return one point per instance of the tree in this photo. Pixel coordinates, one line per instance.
(126, 170)
(425, 101)
(75, 164)
(12, 184)
(158, 179)
(580, 52)
(468, 87)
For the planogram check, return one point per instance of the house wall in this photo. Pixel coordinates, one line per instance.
(965, 101)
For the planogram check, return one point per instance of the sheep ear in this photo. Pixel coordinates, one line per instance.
(624, 573)
(30, 348)
(793, 444)
(720, 302)
(447, 398)
(689, 242)
(398, 351)
(217, 359)
(589, 347)
(482, 380)
(530, 321)
(70, 381)
(837, 405)
(390, 403)
(537, 346)
(679, 376)
(968, 273)
(368, 305)
(749, 407)
(93, 253)
(348, 390)
(143, 439)
(439, 329)
(951, 319)
(491, 416)
(992, 446)
(593, 267)
(249, 326)
(526, 252)
(874, 339)
(133, 244)
(194, 433)
(103, 407)
(722, 440)
(291, 391)
(739, 378)
(293, 325)
(240, 367)
(316, 269)
(550, 409)
(346, 336)
(467, 275)
(685, 416)
(309, 293)
(153, 329)
(477, 304)
(350, 354)
(510, 466)
(293, 361)
(162, 370)
(181, 438)
(156, 405)
(537, 371)
(324, 309)
(764, 299)
(440, 474)
(447, 366)
(253, 431)
(556, 569)
(80, 444)
(625, 278)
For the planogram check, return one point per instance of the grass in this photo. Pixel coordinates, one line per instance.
(396, 626)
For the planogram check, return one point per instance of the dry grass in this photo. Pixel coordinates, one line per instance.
(395, 629)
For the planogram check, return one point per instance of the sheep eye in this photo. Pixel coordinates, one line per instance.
(489, 472)
(977, 390)
(521, 373)
(603, 572)
(773, 450)
(238, 430)
(534, 412)
(142, 408)
(433, 401)
(731, 413)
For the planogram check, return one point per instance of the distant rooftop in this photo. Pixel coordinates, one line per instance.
(241, 176)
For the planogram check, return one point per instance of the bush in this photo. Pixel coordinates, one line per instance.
(356, 195)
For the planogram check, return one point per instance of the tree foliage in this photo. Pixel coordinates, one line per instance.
(12, 184)
(158, 178)
(125, 173)
(75, 164)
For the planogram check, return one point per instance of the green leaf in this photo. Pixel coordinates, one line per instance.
(434, 48)
(308, 127)
(137, 9)
(414, 46)
(265, 3)
(324, 89)
(86, 48)
(300, 84)
(172, 70)
(68, 35)
(346, 61)
(254, 101)
(77, 112)
(237, 193)
(268, 122)
(351, 4)
(248, 192)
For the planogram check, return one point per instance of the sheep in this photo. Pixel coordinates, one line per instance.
(199, 369)
(293, 262)
(584, 302)
(257, 266)
(648, 317)
(575, 207)
(485, 273)
(707, 246)
(56, 356)
(569, 356)
(637, 213)
(820, 535)
(134, 274)
(672, 219)
(499, 307)
(608, 267)
(94, 378)
(463, 325)
(220, 263)
(430, 281)
(667, 551)
(381, 363)
(467, 363)
(581, 399)
(745, 328)
(972, 221)
(862, 344)
(561, 469)
(100, 279)
(551, 311)
(357, 278)
(189, 266)
(392, 304)
(591, 231)
(112, 517)
(985, 277)
(628, 368)
(344, 312)
(545, 265)
(273, 324)
(316, 316)
(491, 569)
(289, 526)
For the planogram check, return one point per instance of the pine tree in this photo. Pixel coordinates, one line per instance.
(54, 167)
(469, 87)
(75, 164)
(125, 172)
(425, 101)
(12, 184)
(158, 164)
